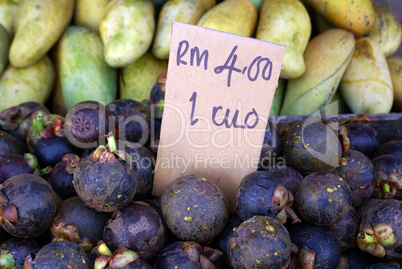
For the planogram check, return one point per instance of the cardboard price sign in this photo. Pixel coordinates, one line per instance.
(218, 95)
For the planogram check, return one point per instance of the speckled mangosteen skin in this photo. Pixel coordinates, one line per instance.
(35, 202)
(259, 242)
(61, 254)
(311, 146)
(194, 208)
(358, 171)
(318, 239)
(137, 227)
(105, 187)
(323, 199)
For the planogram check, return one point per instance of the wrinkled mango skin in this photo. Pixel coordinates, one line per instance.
(127, 30)
(293, 32)
(327, 57)
(137, 79)
(186, 11)
(233, 16)
(4, 48)
(40, 25)
(366, 85)
(83, 72)
(32, 83)
(357, 16)
(387, 30)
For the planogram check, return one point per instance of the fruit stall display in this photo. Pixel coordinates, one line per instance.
(76, 171)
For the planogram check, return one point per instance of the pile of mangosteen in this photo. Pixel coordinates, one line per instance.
(76, 192)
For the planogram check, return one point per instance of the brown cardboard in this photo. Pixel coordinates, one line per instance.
(224, 155)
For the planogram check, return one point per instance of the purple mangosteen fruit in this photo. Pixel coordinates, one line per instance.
(323, 199)
(260, 193)
(76, 222)
(14, 251)
(311, 146)
(194, 208)
(58, 254)
(105, 181)
(138, 227)
(380, 232)
(133, 120)
(28, 205)
(358, 171)
(259, 242)
(317, 246)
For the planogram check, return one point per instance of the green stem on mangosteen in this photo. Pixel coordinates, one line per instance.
(385, 188)
(111, 142)
(102, 249)
(37, 125)
(6, 259)
(47, 170)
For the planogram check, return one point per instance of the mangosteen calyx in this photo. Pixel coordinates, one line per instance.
(106, 154)
(71, 160)
(63, 231)
(387, 185)
(119, 258)
(306, 258)
(343, 138)
(29, 261)
(375, 239)
(206, 256)
(6, 259)
(11, 117)
(281, 201)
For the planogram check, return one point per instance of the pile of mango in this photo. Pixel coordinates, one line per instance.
(338, 56)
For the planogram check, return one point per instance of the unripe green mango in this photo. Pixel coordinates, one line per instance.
(127, 30)
(8, 9)
(293, 32)
(186, 11)
(366, 85)
(31, 83)
(278, 98)
(89, 13)
(40, 25)
(5, 42)
(326, 57)
(137, 79)
(84, 73)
